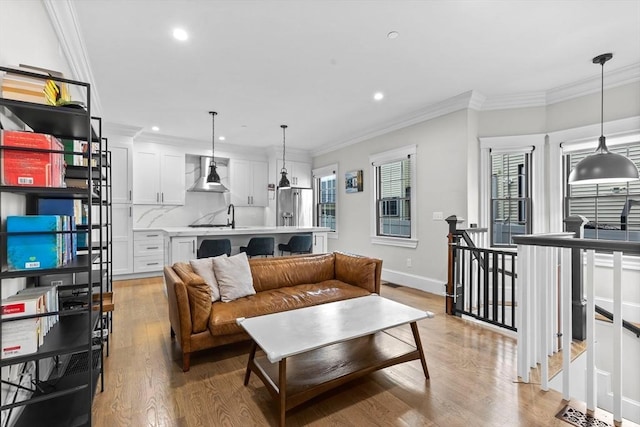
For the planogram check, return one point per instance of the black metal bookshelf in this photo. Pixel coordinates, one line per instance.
(62, 396)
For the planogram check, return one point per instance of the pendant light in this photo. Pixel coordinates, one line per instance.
(210, 183)
(603, 167)
(284, 181)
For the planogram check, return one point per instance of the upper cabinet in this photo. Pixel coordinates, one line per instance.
(121, 181)
(158, 177)
(299, 173)
(248, 182)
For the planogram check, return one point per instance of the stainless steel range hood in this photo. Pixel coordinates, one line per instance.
(201, 184)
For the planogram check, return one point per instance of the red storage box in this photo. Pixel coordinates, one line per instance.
(30, 168)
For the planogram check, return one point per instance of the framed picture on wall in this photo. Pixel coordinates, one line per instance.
(353, 181)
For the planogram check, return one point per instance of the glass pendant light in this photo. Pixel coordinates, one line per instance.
(284, 181)
(603, 167)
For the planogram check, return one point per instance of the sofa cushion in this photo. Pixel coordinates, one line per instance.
(203, 267)
(223, 315)
(234, 276)
(279, 272)
(356, 270)
(199, 294)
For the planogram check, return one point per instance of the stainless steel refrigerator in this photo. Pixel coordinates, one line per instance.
(295, 207)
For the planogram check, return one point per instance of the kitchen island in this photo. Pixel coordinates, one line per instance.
(182, 243)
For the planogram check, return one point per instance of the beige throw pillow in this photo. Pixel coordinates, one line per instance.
(234, 277)
(203, 267)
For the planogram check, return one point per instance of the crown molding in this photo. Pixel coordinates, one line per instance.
(453, 104)
(65, 24)
(520, 100)
(613, 78)
(120, 129)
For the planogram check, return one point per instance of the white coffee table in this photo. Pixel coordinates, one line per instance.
(311, 350)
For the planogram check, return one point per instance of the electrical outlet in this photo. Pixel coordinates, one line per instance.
(408, 262)
(438, 216)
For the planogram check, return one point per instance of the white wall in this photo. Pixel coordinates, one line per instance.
(26, 37)
(619, 103)
(442, 146)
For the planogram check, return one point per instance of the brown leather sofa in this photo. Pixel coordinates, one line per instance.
(281, 283)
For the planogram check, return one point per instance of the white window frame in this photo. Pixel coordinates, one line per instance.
(317, 174)
(535, 144)
(387, 157)
(617, 132)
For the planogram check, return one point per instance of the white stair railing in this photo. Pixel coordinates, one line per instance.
(544, 266)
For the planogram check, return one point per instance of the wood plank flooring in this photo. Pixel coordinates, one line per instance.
(473, 377)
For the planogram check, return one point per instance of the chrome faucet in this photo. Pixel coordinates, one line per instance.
(233, 215)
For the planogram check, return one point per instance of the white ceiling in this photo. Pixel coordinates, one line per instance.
(315, 65)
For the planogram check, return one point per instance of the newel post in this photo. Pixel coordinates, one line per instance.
(575, 224)
(452, 239)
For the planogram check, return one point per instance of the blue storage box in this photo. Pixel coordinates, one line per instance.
(34, 251)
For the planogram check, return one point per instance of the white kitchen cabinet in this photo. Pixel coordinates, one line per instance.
(248, 182)
(148, 251)
(319, 243)
(299, 173)
(158, 178)
(122, 239)
(182, 249)
(120, 174)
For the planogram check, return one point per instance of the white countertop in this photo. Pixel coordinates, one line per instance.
(239, 230)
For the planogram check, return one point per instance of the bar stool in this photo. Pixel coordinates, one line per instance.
(214, 247)
(298, 244)
(259, 246)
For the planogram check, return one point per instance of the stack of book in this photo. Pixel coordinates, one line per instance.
(23, 88)
(39, 90)
(29, 167)
(25, 336)
(52, 243)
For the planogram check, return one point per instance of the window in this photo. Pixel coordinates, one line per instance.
(510, 196)
(613, 210)
(394, 214)
(324, 181)
(512, 184)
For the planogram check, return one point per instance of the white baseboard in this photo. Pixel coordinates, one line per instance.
(414, 281)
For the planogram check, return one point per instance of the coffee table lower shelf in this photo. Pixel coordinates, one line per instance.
(298, 378)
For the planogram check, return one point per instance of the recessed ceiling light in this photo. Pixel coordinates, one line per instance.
(392, 35)
(180, 34)
(378, 96)
(221, 138)
(155, 128)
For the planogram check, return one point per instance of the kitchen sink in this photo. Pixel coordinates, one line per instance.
(210, 225)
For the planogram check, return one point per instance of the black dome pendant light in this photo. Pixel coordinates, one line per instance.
(603, 167)
(213, 177)
(211, 182)
(284, 181)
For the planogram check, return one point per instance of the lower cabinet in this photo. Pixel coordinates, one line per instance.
(148, 251)
(182, 249)
(122, 240)
(319, 243)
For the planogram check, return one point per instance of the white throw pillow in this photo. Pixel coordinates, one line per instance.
(234, 277)
(203, 267)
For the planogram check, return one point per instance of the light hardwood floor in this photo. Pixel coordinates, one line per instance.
(473, 380)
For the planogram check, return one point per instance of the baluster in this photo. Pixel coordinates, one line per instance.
(566, 322)
(591, 325)
(541, 287)
(616, 383)
(523, 306)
